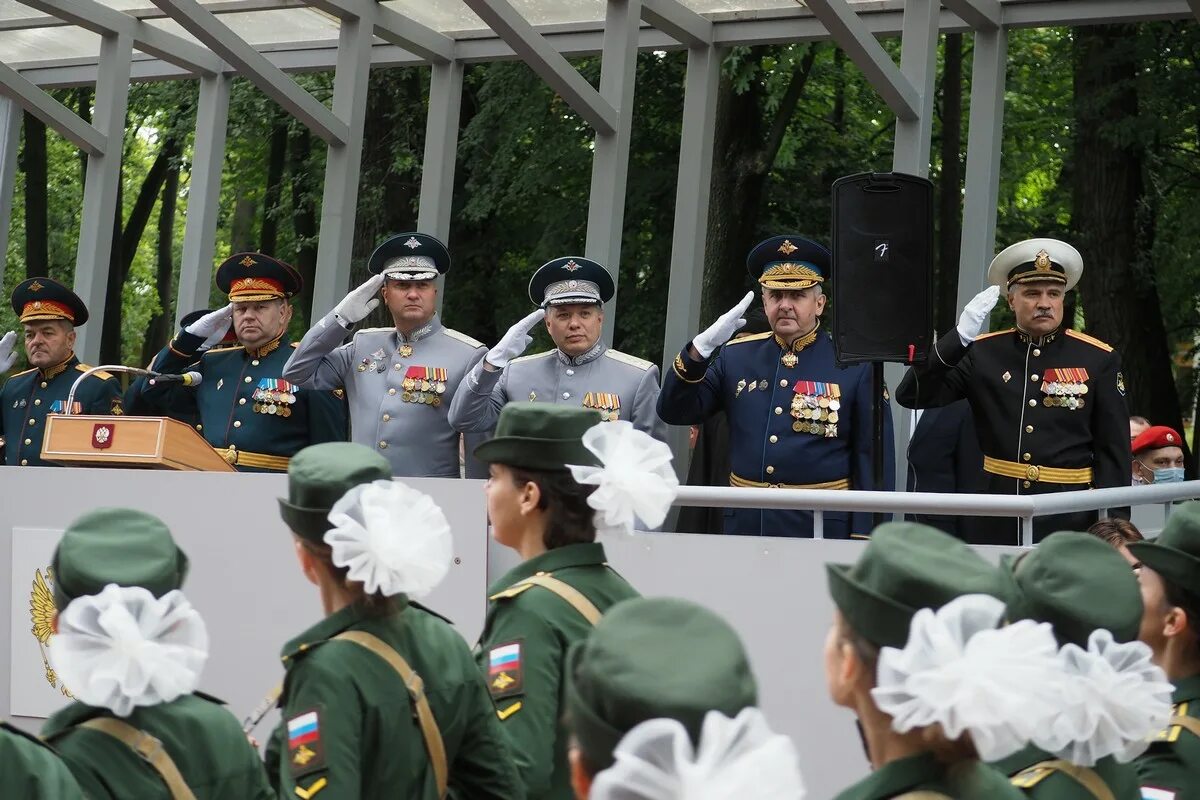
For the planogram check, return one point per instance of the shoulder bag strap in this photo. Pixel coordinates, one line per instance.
(148, 748)
(1084, 776)
(567, 592)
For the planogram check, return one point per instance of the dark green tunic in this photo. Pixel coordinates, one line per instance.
(30, 770)
(529, 690)
(367, 742)
(1044, 784)
(971, 780)
(199, 734)
(1172, 764)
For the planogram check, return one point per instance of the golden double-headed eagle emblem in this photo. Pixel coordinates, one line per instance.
(41, 612)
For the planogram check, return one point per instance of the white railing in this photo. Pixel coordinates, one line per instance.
(1023, 507)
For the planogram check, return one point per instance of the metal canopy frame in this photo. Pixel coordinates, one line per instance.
(371, 35)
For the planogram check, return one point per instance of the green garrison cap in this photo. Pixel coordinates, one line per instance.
(116, 545)
(906, 567)
(1077, 583)
(649, 658)
(540, 436)
(319, 475)
(1175, 554)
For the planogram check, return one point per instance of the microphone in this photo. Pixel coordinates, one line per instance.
(104, 368)
(191, 378)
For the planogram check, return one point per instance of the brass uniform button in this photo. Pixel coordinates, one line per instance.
(1026, 457)
(1029, 429)
(770, 470)
(774, 438)
(237, 423)
(778, 410)
(1032, 403)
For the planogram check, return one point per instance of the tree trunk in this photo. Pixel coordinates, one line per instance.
(275, 164)
(949, 187)
(241, 225)
(161, 326)
(304, 219)
(33, 162)
(1118, 290)
(110, 332)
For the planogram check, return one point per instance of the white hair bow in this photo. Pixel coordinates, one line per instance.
(635, 481)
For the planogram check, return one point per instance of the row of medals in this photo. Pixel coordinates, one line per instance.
(1064, 395)
(273, 402)
(423, 391)
(815, 415)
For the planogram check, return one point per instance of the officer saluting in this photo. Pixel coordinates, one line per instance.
(797, 420)
(399, 380)
(254, 417)
(581, 371)
(49, 313)
(1049, 402)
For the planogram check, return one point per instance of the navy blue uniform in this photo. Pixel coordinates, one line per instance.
(805, 425)
(29, 396)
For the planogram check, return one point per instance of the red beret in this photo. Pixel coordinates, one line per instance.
(1156, 436)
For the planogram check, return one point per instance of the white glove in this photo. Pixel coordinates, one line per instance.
(513, 343)
(360, 302)
(212, 326)
(7, 356)
(726, 326)
(975, 315)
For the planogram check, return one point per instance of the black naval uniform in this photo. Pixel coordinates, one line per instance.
(1050, 413)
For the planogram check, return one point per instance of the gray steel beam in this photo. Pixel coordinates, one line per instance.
(17, 87)
(10, 136)
(918, 62)
(441, 155)
(101, 19)
(678, 21)
(219, 38)
(1194, 5)
(985, 134)
(94, 256)
(852, 34)
(339, 203)
(204, 194)
(982, 15)
(610, 157)
(542, 58)
(393, 27)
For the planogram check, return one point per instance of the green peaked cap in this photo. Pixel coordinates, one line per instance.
(319, 475)
(540, 436)
(1175, 554)
(116, 545)
(1077, 583)
(905, 567)
(649, 658)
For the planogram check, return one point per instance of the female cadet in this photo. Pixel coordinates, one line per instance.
(917, 652)
(557, 476)
(31, 770)
(131, 648)
(381, 698)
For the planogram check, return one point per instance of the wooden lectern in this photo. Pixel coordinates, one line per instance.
(116, 441)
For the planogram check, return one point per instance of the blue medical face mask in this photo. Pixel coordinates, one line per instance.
(1167, 475)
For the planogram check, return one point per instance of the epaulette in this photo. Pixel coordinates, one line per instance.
(101, 374)
(1171, 733)
(1031, 776)
(511, 591)
(227, 348)
(1083, 337)
(532, 357)
(462, 337)
(625, 358)
(302, 649)
(295, 345)
(983, 336)
(753, 337)
(209, 698)
(25, 372)
(375, 330)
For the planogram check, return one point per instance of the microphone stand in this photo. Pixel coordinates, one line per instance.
(104, 368)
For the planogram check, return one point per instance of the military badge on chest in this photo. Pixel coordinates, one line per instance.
(424, 385)
(1065, 388)
(274, 397)
(816, 408)
(373, 363)
(607, 403)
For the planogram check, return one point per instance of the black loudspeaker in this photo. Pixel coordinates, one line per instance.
(882, 267)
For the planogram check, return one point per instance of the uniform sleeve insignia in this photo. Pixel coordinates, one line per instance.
(117, 408)
(505, 675)
(306, 754)
(1121, 383)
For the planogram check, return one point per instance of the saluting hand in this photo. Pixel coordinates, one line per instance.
(975, 314)
(726, 326)
(513, 343)
(7, 356)
(359, 303)
(212, 326)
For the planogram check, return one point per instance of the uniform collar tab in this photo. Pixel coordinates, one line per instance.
(1038, 341)
(425, 331)
(591, 355)
(268, 348)
(59, 368)
(801, 342)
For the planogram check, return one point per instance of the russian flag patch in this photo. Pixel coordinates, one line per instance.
(505, 676)
(305, 753)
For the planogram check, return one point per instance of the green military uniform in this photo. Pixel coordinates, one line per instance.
(529, 627)
(906, 567)
(30, 770)
(29, 396)
(349, 729)
(201, 737)
(1170, 768)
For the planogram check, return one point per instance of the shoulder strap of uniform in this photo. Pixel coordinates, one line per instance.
(1179, 722)
(586, 608)
(148, 748)
(625, 358)
(753, 337)
(1084, 776)
(101, 374)
(532, 357)
(1083, 337)
(983, 336)
(416, 690)
(462, 337)
(24, 372)
(1190, 724)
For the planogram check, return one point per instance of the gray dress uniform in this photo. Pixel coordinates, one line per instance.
(399, 389)
(617, 385)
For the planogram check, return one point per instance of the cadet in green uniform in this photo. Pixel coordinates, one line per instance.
(29, 769)
(558, 593)
(49, 313)
(248, 412)
(886, 604)
(1088, 593)
(1170, 579)
(381, 698)
(659, 677)
(131, 649)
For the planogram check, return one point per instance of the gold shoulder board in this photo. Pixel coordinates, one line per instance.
(511, 591)
(102, 375)
(983, 336)
(754, 337)
(1083, 337)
